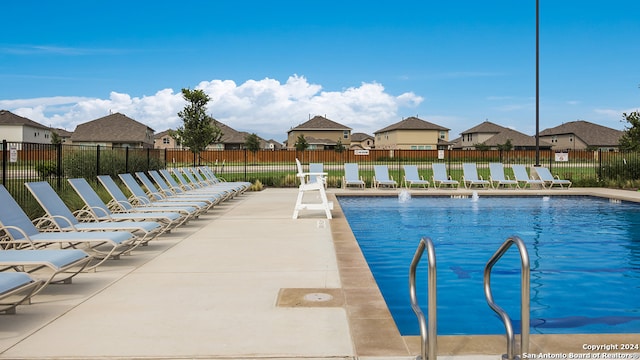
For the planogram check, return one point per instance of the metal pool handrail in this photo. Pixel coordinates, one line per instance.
(524, 297)
(428, 333)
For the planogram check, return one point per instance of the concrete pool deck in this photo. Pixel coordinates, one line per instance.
(246, 281)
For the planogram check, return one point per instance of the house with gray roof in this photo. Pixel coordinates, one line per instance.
(493, 135)
(114, 130)
(320, 133)
(362, 141)
(412, 133)
(582, 135)
(231, 140)
(15, 128)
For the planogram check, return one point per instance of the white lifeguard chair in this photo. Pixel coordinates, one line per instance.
(311, 182)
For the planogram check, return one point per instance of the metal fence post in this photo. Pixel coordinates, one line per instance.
(4, 162)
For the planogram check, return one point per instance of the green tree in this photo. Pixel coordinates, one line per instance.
(199, 129)
(482, 146)
(630, 140)
(252, 143)
(339, 147)
(55, 138)
(507, 146)
(301, 143)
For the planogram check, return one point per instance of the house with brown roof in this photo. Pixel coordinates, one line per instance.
(493, 136)
(165, 140)
(362, 141)
(412, 133)
(114, 130)
(582, 135)
(320, 133)
(15, 128)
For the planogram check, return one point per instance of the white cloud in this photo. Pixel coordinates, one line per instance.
(266, 107)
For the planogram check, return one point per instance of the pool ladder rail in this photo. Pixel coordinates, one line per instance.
(428, 331)
(524, 298)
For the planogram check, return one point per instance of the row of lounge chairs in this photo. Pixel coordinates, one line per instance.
(540, 177)
(61, 244)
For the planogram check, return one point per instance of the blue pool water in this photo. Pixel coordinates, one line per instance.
(584, 254)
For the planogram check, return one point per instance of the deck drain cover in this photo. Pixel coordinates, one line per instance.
(318, 297)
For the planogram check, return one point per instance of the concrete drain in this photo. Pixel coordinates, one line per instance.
(318, 297)
(314, 297)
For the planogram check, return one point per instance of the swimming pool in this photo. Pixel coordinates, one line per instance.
(584, 254)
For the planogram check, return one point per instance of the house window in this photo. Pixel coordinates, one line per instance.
(469, 137)
(166, 141)
(442, 135)
(345, 134)
(554, 139)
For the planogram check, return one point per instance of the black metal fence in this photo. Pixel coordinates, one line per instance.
(24, 162)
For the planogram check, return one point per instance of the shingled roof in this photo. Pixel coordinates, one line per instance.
(517, 139)
(487, 127)
(320, 123)
(590, 133)
(9, 118)
(112, 128)
(412, 123)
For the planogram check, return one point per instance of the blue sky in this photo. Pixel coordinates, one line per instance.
(269, 66)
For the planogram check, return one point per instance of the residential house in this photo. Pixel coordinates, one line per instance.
(114, 130)
(165, 140)
(320, 133)
(582, 135)
(362, 141)
(63, 135)
(493, 136)
(412, 133)
(14, 128)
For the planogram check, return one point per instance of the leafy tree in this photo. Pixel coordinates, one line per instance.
(339, 147)
(252, 143)
(301, 143)
(630, 140)
(199, 129)
(55, 138)
(482, 146)
(507, 146)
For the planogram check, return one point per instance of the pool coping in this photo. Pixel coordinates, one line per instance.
(373, 329)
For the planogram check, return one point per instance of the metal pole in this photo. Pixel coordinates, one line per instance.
(537, 83)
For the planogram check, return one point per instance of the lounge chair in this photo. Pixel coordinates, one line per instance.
(523, 179)
(497, 177)
(318, 168)
(470, 176)
(170, 190)
(411, 177)
(141, 197)
(20, 233)
(210, 176)
(121, 204)
(309, 182)
(194, 182)
(381, 177)
(440, 176)
(544, 174)
(160, 194)
(100, 211)
(352, 176)
(59, 218)
(16, 288)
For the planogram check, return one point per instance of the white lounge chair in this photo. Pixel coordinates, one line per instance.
(381, 177)
(101, 212)
(311, 182)
(544, 174)
(16, 288)
(24, 246)
(121, 204)
(411, 177)
(210, 199)
(523, 179)
(497, 177)
(59, 218)
(470, 176)
(440, 176)
(352, 176)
